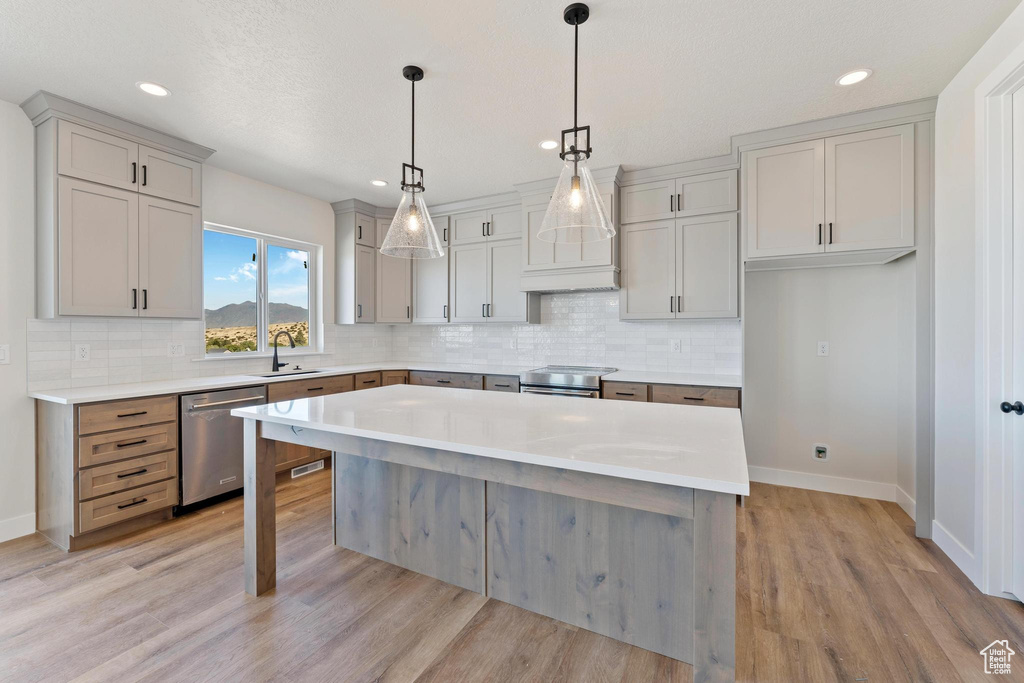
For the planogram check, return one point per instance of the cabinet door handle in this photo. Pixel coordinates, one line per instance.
(141, 412)
(144, 175)
(483, 229)
(819, 234)
(671, 303)
(135, 298)
(134, 502)
(359, 228)
(145, 299)
(135, 172)
(679, 202)
(445, 233)
(830, 233)
(131, 443)
(679, 303)
(490, 229)
(360, 314)
(132, 474)
(490, 313)
(483, 310)
(408, 311)
(671, 205)
(445, 311)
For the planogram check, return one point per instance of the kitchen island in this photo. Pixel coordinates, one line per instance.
(615, 517)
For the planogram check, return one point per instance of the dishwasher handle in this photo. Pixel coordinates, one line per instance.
(213, 405)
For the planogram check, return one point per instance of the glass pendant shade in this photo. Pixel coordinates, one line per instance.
(576, 213)
(412, 233)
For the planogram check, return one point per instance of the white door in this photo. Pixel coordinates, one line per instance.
(505, 223)
(467, 265)
(469, 227)
(98, 249)
(785, 199)
(707, 263)
(170, 176)
(100, 157)
(170, 259)
(504, 267)
(394, 282)
(1018, 344)
(649, 271)
(366, 283)
(649, 201)
(869, 189)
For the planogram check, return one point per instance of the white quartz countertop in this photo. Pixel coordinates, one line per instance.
(692, 446)
(113, 392)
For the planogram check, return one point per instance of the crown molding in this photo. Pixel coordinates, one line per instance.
(45, 105)
(352, 205)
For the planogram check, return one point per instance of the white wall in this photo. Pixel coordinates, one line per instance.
(849, 400)
(957, 510)
(17, 303)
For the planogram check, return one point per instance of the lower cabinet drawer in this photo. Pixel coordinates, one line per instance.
(367, 380)
(719, 397)
(457, 380)
(117, 507)
(501, 383)
(624, 391)
(99, 449)
(135, 412)
(304, 388)
(126, 474)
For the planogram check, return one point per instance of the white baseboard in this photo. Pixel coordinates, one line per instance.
(908, 504)
(16, 527)
(822, 482)
(961, 556)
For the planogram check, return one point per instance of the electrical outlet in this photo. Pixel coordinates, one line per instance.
(512, 344)
(175, 349)
(823, 348)
(5, 354)
(677, 346)
(81, 352)
(820, 452)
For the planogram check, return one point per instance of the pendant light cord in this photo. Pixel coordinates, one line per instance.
(413, 124)
(576, 96)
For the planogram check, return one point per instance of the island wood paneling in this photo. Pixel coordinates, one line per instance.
(426, 521)
(714, 587)
(259, 512)
(621, 572)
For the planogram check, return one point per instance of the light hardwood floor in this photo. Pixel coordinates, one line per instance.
(830, 588)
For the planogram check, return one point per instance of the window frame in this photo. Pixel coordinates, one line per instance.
(315, 286)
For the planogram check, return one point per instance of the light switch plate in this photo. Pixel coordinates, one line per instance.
(823, 348)
(5, 354)
(82, 352)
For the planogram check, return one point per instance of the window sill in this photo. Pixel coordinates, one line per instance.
(250, 355)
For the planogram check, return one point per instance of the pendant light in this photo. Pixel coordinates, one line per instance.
(576, 213)
(412, 233)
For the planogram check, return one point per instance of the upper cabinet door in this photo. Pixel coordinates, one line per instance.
(649, 271)
(98, 249)
(504, 266)
(467, 266)
(706, 193)
(170, 176)
(707, 267)
(91, 155)
(366, 230)
(869, 189)
(505, 223)
(394, 282)
(649, 201)
(366, 283)
(430, 283)
(785, 199)
(468, 227)
(170, 259)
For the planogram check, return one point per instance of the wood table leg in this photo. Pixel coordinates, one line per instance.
(260, 508)
(714, 586)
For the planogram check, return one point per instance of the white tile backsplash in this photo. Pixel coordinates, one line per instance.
(579, 328)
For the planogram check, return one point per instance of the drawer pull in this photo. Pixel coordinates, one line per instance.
(132, 443)
(505, 386)
(141, 412)
(624, 393)
(692, 398)
(132, 504)
(369, 381)
(315, 389)
(132, 474)
(444, 381)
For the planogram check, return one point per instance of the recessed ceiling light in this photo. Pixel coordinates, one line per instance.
(380, 183)
(852, 77)
(548, 144)
(153, 89)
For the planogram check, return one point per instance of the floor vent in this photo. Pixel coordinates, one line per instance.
(306, 469)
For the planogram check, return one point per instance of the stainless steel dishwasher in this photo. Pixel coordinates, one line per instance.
(212, 441)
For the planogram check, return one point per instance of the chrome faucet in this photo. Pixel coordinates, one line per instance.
(278, 364)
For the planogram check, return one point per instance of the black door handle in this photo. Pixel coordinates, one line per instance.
(830, 233)
(143, 174)
(145, 299)
(819, 234)
(445, 311)
(1015, 407)
(134, 502)
(671, 205)
(135, 172)
(360, 235)
(135, 299)
(132, 474)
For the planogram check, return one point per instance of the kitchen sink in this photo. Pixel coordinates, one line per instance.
(289, 374)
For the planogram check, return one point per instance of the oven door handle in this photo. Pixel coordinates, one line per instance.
(577, 393)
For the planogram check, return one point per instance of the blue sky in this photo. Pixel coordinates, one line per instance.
(230, 274)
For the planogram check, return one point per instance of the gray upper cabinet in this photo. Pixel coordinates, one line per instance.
(469, 227)
(355, 243)
(680, 197)
(118, 215)
(169, 176)
(430, 282)
(366, 230)
(394, 282)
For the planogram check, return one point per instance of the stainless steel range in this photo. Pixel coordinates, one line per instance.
(563, 380)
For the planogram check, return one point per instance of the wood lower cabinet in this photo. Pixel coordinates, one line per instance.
(624, 391)
(720, 397)
(501, 383)
(455, 380)
(389, 377)
(305, 388)
(367, 380)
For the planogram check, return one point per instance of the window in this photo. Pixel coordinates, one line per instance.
(255, 287)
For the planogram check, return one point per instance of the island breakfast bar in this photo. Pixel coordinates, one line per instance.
(612, 516)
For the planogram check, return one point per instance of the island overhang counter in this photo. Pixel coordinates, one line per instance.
(612, 516)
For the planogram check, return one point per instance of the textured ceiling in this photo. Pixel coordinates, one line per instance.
(308, 94)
